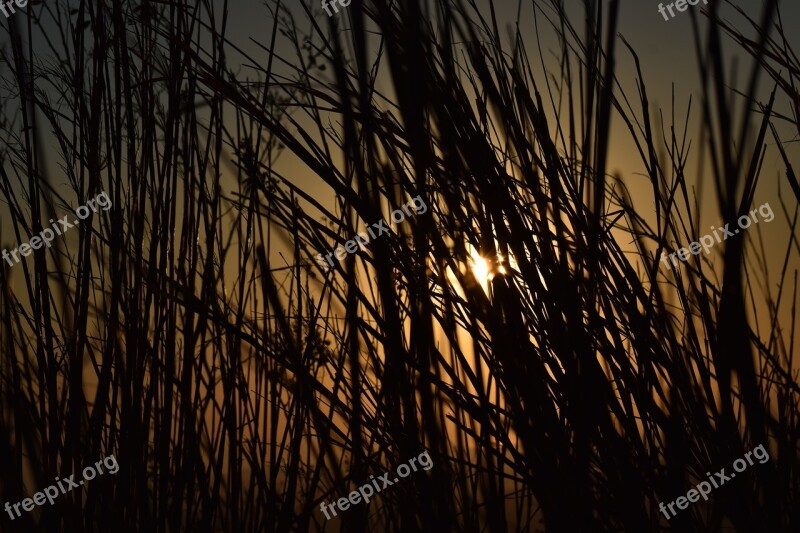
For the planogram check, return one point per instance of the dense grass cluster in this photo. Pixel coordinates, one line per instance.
(190, 332)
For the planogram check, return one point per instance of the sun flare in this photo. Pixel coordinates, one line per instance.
(480, 269)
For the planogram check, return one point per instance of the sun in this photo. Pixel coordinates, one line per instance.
(485, 269)
(480, 269)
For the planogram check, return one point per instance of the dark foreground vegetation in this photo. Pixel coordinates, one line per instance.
(190, 332)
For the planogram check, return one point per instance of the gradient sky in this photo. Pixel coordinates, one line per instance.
(666, 51)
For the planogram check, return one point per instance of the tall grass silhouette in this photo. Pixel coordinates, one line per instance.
(190, 332)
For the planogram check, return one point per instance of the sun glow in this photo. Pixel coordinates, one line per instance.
(480, 269)
(485, 269)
